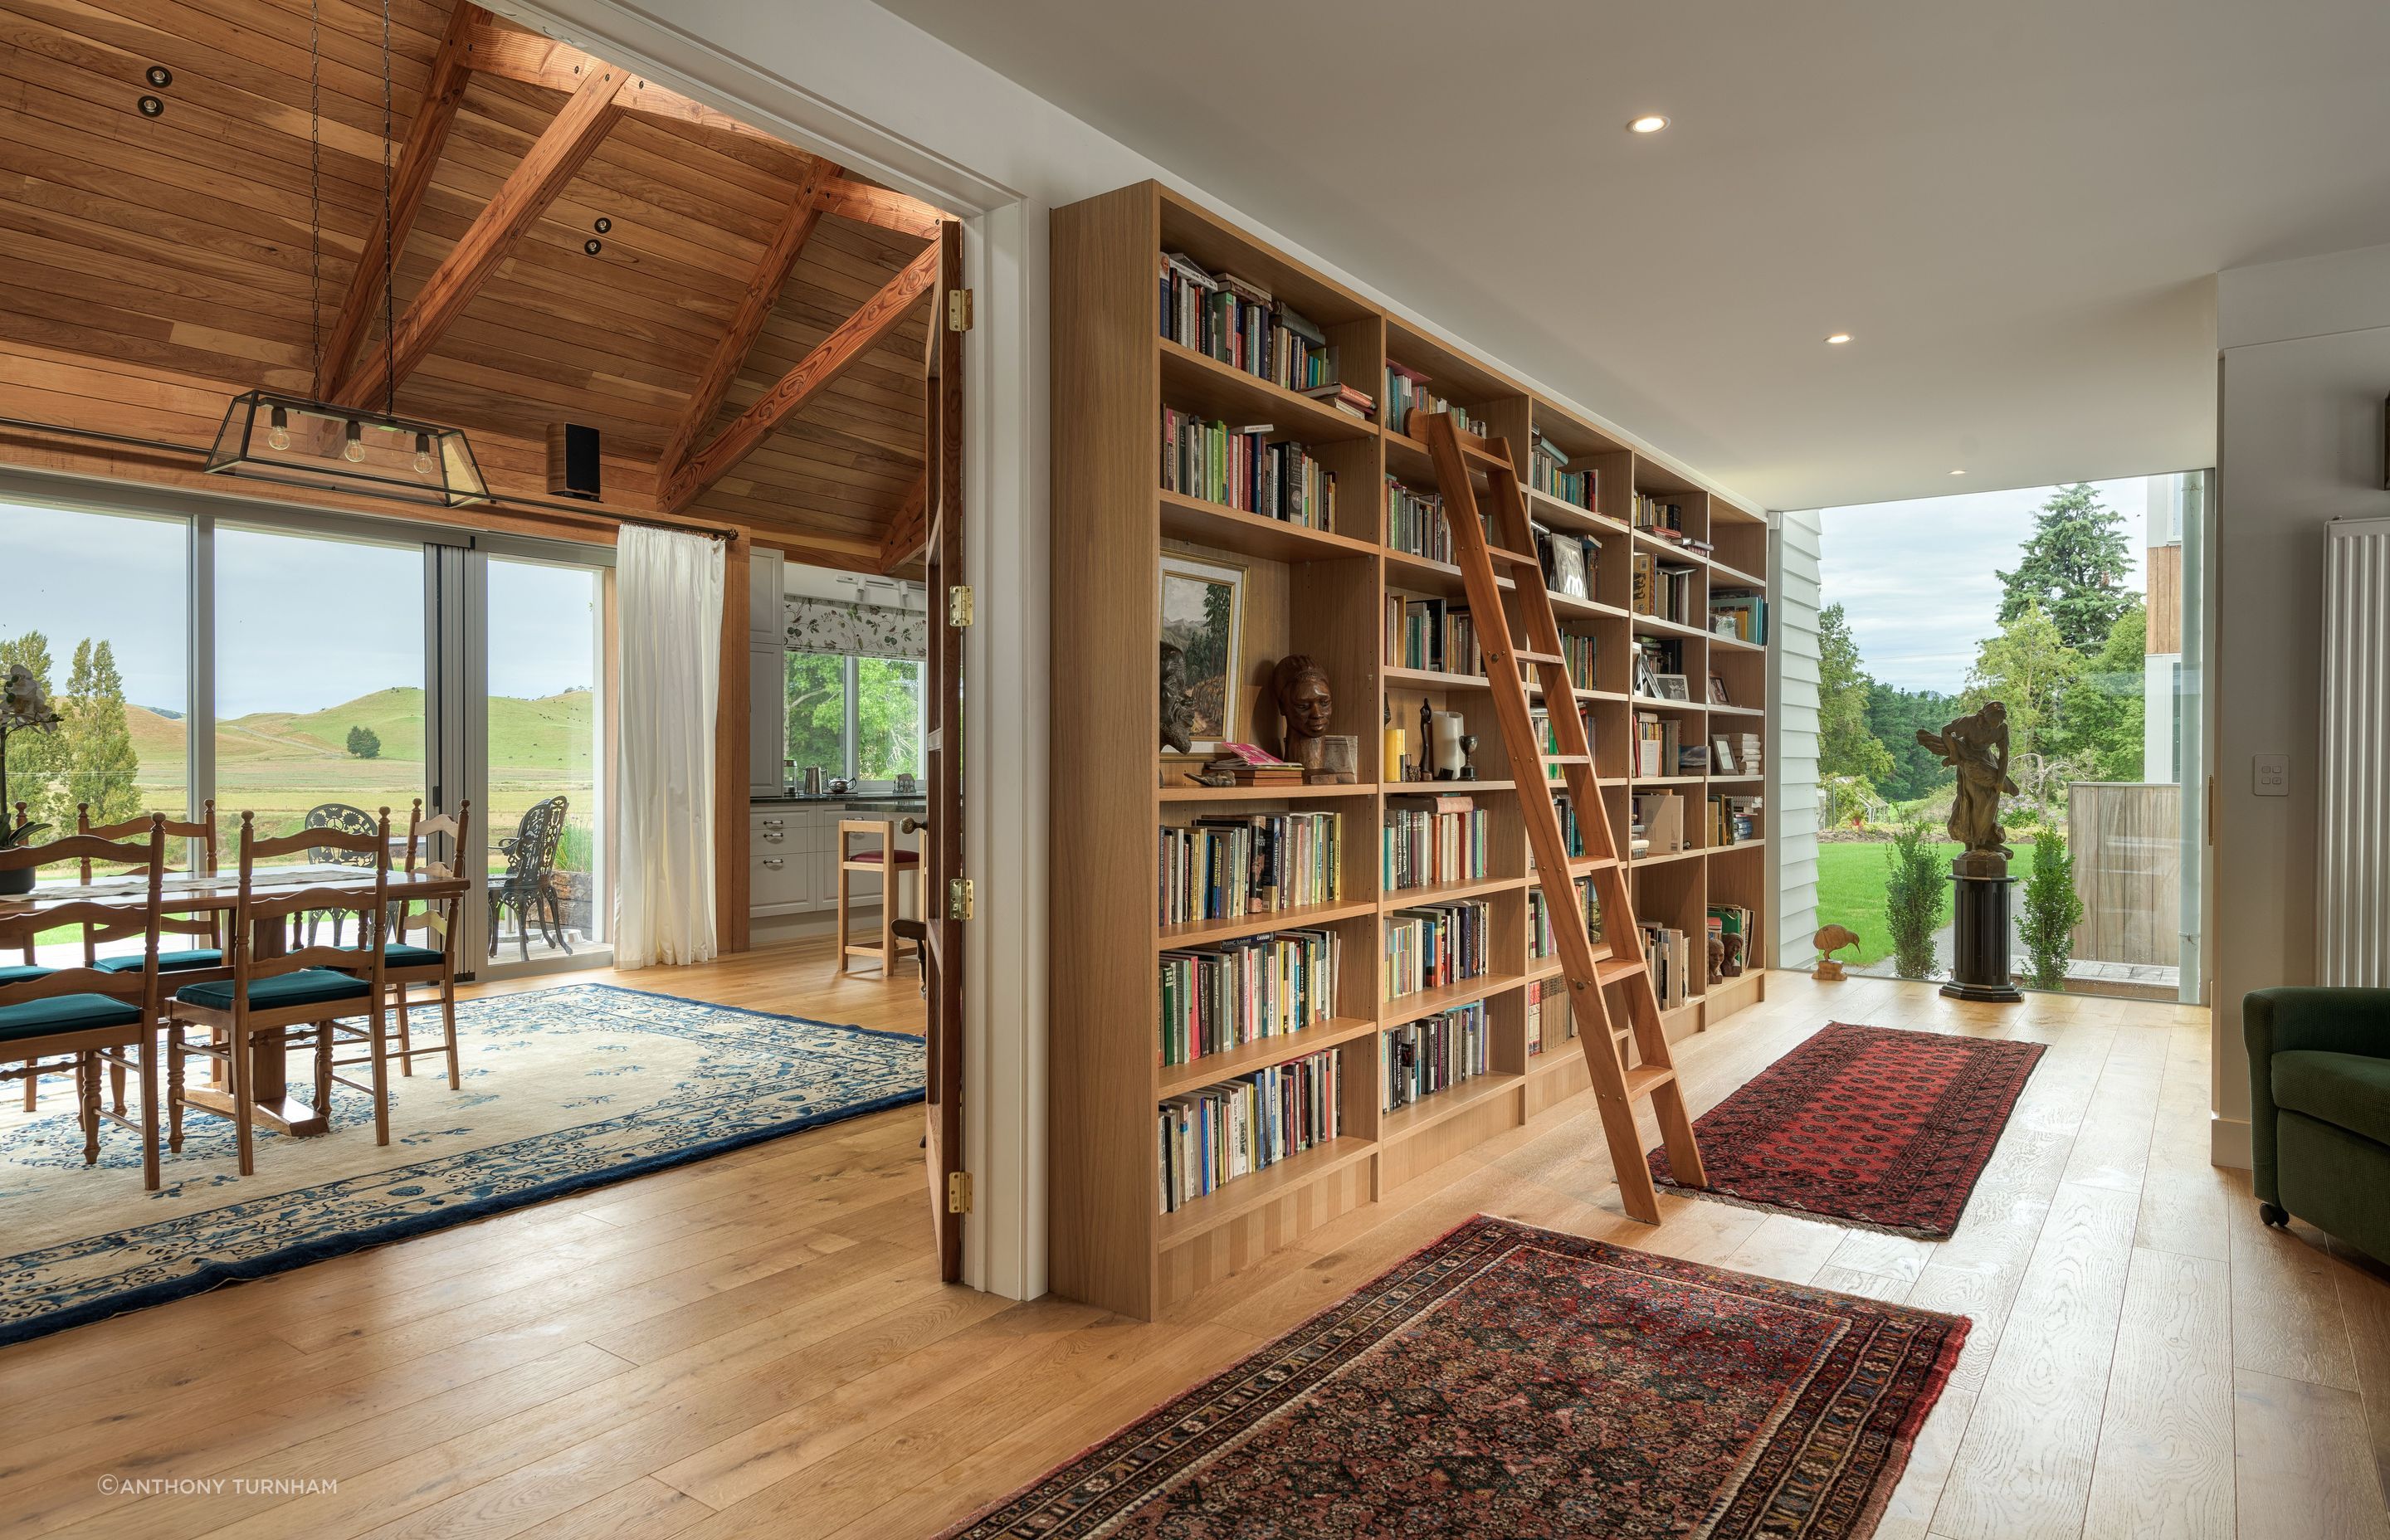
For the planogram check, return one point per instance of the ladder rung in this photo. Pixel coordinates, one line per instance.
(1611, 970)
(1524, 656)
(1568, 758)
(1644, 1079)
(1515, 558)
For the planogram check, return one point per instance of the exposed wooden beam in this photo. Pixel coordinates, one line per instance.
(754, 308)
(537, 61)
(854, 336)
(410, 177)
(889, 211)
(552, 162)
(909, 530)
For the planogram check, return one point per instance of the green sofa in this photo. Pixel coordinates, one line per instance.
(2319, 1109)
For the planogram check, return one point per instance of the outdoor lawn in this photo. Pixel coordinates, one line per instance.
(1850, 890)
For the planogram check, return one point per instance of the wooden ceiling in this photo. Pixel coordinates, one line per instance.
(157, 265)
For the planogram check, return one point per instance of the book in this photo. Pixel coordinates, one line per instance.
(1242, 468)
(1223, 1133)
(1433, 839)
(1436, 1053)
(1242, 325)
(1229, 867)
(1216, 998)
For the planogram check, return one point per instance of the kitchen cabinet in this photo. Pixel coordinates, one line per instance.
(792, 857)
(767, 705)
(766, 615)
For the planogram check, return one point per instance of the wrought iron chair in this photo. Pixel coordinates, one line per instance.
(340, 818)
(528, 888)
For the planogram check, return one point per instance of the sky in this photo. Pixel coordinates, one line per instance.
(1917, 580)
(301, 623)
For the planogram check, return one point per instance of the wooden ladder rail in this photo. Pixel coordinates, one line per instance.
(1590, 977)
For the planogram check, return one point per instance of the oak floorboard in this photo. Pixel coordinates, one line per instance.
(2165, 1465)
(2303, 1467)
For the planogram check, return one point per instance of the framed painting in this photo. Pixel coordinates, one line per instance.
(1203, 613)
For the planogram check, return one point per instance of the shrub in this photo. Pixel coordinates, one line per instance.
(1914, 897)
(2051, 911)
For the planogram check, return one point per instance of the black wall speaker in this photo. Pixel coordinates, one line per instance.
(571, 461)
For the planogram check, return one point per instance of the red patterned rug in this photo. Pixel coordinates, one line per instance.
(1870, 1125)
(1513, 1381)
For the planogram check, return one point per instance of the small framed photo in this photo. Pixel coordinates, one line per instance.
(1563, 557)
(1203, 612)
(1674, 686)
(1717, 692)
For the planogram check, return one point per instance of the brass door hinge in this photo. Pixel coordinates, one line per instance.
(962, 902)
(959, 310)
(958, 1192)
(960, 608)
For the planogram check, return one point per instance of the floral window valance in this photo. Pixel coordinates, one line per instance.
(867, 629)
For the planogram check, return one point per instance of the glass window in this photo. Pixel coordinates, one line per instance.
(888, 717)
(853, 716)
(818, 697)
(546, 640)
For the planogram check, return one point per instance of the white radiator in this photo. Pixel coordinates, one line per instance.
(2353, 784)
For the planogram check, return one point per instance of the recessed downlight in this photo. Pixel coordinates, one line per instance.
(1958, 473)
(1838, 339)
(1649, 123)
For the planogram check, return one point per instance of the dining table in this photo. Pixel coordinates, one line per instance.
(192, 893)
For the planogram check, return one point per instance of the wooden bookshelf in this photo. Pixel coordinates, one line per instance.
(1320, 591)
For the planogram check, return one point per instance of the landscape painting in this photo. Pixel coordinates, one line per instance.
(1202, 610)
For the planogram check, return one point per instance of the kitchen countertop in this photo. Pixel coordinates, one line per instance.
(845, 799)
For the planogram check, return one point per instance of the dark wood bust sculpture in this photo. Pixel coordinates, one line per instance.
(1304, 706)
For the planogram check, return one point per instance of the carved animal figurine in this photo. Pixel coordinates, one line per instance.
(1304, 705)
(1833, 938)
(1177, 709)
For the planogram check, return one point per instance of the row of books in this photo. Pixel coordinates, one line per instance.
(1663, 589)
(1739, 613)
(1407, 391)
(1572, 830)
(1660, 517)
(1436, 944)
(1581, 653)
(1732, 924)
(1668, 955)
(1540, 940)
(1733, 819)
(1436, 1053)
(1658, 745)
(1229, 867)
(1540, 719)
(1434, 839)
(1550, 1020)
(1243, 326)
(1243, 469)
(1736, 754)
(1221, 997)
(1546, 474)
(1212, 1136)
(1414, 521)
(1433, 634)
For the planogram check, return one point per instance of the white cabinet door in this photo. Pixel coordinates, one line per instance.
(767, 704)
(766, 622)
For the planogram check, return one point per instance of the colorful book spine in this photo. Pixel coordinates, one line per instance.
(1211, 1137)
(1217, 998)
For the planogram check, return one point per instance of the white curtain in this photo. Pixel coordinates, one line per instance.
(669, 588)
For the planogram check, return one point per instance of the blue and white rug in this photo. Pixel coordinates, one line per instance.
(564, 1089)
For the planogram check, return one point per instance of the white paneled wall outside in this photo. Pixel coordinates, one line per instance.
(1793, 733)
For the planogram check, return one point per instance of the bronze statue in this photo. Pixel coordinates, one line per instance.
(1177, 711)
(1976, 746)
(1304, 705)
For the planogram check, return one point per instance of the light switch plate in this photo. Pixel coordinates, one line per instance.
(2273, 774)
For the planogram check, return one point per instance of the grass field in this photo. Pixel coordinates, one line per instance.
(1850, 890)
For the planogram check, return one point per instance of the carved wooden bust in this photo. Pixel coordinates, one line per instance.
(1305, 704)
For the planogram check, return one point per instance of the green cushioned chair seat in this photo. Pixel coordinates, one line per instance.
(168, 962)
(2346, 1090)
(18, 975)
(309, 987)
(399, 954)
(63, 1013)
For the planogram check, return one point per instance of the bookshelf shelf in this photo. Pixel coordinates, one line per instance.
(1666, 856)
(1737, 643)
(1321, 592)
(1214, 1068)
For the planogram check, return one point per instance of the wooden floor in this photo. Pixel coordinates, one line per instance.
(756, 1345)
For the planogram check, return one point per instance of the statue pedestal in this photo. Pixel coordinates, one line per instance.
(1980, 942)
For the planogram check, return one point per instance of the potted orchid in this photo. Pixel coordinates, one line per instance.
(25, 707)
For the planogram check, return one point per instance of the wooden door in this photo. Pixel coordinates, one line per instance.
(942, 842)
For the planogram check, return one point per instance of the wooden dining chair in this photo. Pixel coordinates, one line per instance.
(190, 965)
(90, 1015)
(15, 972)
(406, 965)
(293, 1000)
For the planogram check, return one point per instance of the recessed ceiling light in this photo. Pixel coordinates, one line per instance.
(1651, 122)
(1958, 473)
(1838, 339)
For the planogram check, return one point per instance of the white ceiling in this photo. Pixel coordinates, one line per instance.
(2013, 207)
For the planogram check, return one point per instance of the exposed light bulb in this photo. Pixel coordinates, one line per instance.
(1649, 123)
(423, 454)
(354, 450)
(278, 433)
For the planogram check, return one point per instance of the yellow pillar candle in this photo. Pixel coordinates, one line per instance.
(1393, 767)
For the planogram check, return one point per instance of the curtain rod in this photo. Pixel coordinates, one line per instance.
(595, 514)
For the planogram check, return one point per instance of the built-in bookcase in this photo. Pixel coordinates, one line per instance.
(1322, 592)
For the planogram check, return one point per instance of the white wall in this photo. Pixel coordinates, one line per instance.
(2305, 366)
(1792, 735)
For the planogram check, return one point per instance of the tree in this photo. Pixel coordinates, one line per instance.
(37, 760)
(2052, 909)
(1893, 715)
(1915, 889)
(2027, 666)
(101, 767)
(2074, 567)
(2102, 712)
(1844, 745)
(364, 743)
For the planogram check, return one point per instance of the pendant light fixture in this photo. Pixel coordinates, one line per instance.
(274, 436)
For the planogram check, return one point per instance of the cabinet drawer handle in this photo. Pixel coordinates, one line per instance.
(775, 838)
(772, 863)
(771, 823)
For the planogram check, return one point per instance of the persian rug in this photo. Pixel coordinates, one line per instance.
(564, 1089)
(1883, 1129)
(1513, 1381)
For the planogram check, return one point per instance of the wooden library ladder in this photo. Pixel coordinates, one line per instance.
(1459, 457)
